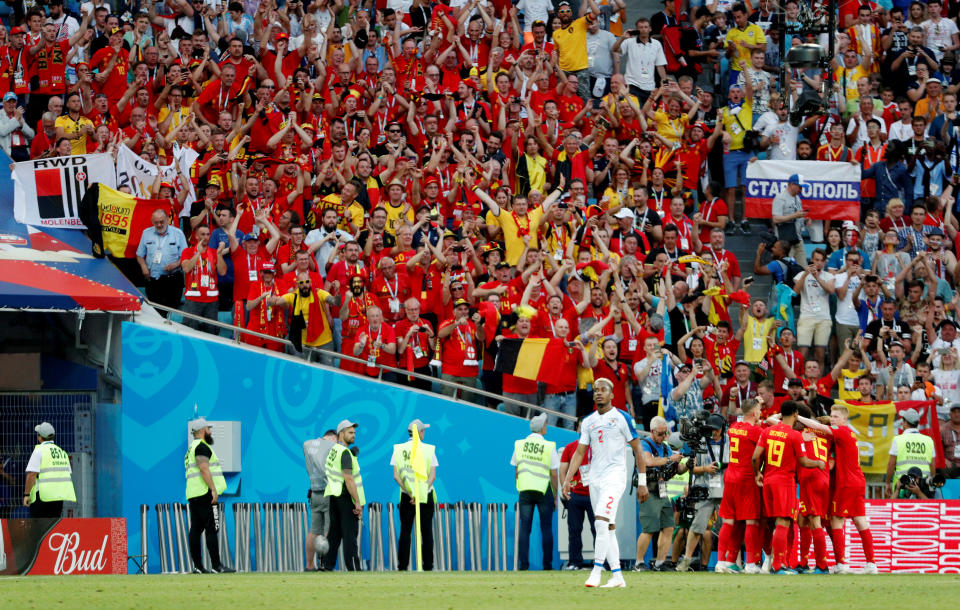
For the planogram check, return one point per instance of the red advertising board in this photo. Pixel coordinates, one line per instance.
(63, 546)
(910, 536)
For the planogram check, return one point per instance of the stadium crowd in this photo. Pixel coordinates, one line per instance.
(410, 183)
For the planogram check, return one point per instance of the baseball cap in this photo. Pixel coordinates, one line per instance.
(115, 31)
(460, 302)
(268, 267)
(343, 425)
(935, 231)
(419, 424)
(624, 213)
(198, 424)
(911, 416)
(955, 405)
(945, 322)
(503, 265)
(796, 179)
(537, 423)
(795, 382)
(9, 95)
(214, 181)
(17, 30)
(933, 80)
(249, 236)
(45, 430)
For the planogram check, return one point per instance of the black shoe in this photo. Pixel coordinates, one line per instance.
(745, 226)
(201, 571)
(641, 566)
(666, 566)
(223, 570)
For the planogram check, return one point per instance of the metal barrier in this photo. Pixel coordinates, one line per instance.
(271, 537)
(329, 355)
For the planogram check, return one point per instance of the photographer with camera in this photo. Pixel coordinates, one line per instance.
(656, 514)
(908, 451)
(914, 486)
(704, 436)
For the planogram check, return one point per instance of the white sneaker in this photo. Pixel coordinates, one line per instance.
(842, 568)
(683, 565)
(751, 568)
(767, 563)
(616, 582)
(870, 568)
(594, 578)
(721, 567)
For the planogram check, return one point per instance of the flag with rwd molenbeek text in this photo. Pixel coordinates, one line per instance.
(831, 192)
(47, 192)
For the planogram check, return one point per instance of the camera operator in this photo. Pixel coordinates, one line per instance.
(711, 456)
(914, 486)
(656, 514)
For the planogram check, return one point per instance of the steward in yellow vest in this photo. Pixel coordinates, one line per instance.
(536, 462)
(345, 490)
(48, 477)
(912, 449)
(205, 483)
(404, 475)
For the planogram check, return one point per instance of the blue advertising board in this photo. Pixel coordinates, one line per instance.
(280, 403)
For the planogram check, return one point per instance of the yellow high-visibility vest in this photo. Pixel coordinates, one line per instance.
(335, 474)
(533, 463)
(402, 454)
(53, 479)
(913, 449)
(196, 486)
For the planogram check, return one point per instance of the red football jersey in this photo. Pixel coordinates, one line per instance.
(847, 468)
(743, 440)
(782, 446)
(817, 449)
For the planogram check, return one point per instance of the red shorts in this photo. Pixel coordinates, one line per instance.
(780, 500)
(814, 496)
(741, 501)
(847, 502)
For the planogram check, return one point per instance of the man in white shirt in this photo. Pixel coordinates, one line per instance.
(941, 34)
(607, 432)
(325, 239)
(780, 138)
(814, 286)
(643, 55)
(846, 282)
(67, 26)
(858, 129)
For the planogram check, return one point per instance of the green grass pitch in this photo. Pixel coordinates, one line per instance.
(478, 590)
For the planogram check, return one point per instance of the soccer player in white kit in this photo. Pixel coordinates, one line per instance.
(607, 432)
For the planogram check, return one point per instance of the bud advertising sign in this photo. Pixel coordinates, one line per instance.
(63, 546)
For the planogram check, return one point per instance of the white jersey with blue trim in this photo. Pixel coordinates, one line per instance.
(608, 436)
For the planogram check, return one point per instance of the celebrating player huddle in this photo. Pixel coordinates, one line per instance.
(760, 503)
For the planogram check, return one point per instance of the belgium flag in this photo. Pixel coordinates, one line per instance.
(115, 221)
(536, 359)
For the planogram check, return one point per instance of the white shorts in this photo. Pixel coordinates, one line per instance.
(605, 498)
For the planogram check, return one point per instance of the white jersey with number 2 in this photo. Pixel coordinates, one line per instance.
(607, 436)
